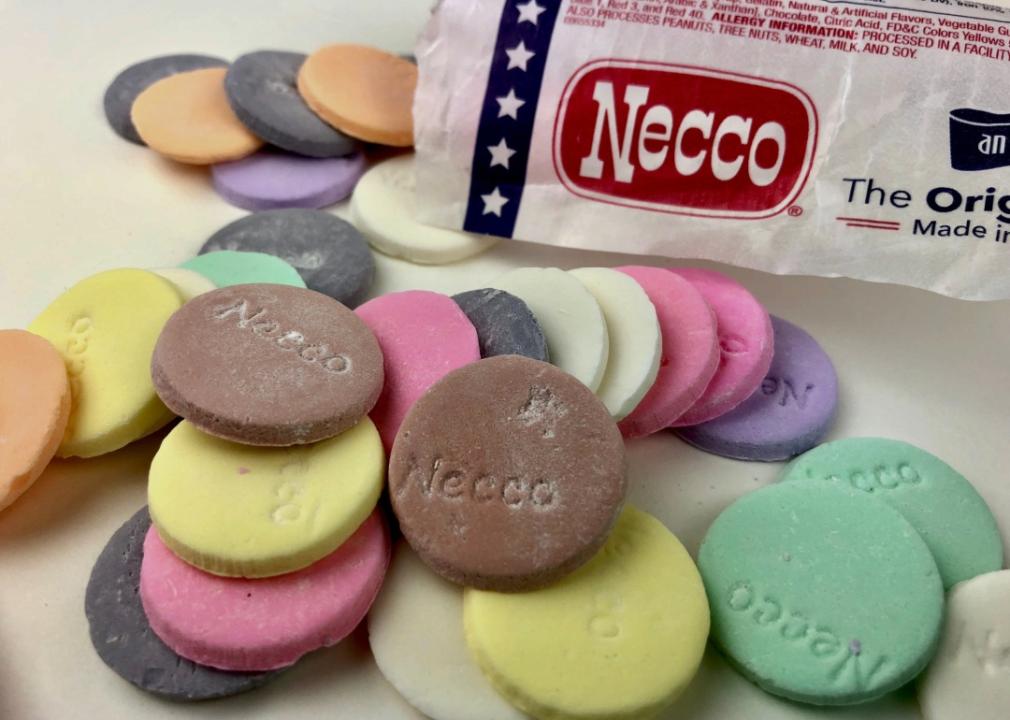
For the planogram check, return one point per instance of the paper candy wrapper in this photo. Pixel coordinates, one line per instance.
(859, 139)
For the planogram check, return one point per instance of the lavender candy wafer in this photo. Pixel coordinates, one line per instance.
(271, 179)
(789, 413)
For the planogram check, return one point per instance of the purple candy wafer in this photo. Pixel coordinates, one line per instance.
(270, 179)
(787, 415)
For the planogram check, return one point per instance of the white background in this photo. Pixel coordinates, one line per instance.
(75, 199)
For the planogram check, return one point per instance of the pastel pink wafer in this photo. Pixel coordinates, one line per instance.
(423, 336)
(746, 343)
(690, 350)
(250, 625)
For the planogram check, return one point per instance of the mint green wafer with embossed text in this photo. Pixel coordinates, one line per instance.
(941, 505)
(820, 593)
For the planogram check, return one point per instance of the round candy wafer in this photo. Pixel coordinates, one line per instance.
(423, 336)
(34, 409)
(245, 511)
(746, 344)
(265, 624)
(362, 91)
(262, 89)
(105, 327)
(187, 118)
(123, 638)
(787, 415)
(127, 85)
(268, 365)
(690, 350)
(507, 474)
(268, 180)
(329, 253)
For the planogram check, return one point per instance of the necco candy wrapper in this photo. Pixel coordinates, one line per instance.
(864, 139)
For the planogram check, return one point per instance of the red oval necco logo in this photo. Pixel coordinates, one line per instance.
(683, 139)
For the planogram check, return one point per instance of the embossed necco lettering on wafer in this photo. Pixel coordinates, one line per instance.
(507, 474)
(268, 365)
(938, 501)
(820, 593)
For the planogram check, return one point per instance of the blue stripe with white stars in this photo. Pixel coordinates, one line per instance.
(501, 153)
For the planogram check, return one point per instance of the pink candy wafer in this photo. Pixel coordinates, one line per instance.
(690, 350)
(249, 625)
(746, 342)
(423, 336)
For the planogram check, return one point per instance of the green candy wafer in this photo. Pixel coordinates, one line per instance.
(941, 505)
(231, 267)
(821, 594)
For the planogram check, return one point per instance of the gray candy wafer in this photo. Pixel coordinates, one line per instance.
(132, 81)
(505, 324)
(262, 88)
(329, 253)
(124, 639)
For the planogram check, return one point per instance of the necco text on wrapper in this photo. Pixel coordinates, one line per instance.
(817, 137)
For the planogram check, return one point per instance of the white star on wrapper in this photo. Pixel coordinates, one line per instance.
(509, 105)
(519, 56)
(529, 12)
(493, 202)
(501, 154)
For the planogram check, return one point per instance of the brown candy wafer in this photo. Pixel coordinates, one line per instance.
(267, 365)
(507, 474)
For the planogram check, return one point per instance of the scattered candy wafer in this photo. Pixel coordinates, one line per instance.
(122, 635)
(262, 89)
(329, 253)
(937, 501)
(789, 413)
(362, 91)
(257, 625)
(820, 593)
(621, 637)
(570, 317)
(423, 336)
(507, 474)
(34, 409)
(746, 344)
(383, 207)
(131, 82)
(633, 335)
(244, 511)
(186, 117)
(225, 268)
(268, 365)
(268, 180)
(415, 631)
(690, 350)
(105, 327)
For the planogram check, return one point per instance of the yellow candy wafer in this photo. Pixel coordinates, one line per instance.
(621, 637)
(105, 327)
(245, 511)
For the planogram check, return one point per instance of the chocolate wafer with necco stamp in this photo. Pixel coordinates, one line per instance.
(268, 365)
(507, 474)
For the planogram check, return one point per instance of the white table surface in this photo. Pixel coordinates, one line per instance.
(74, 199)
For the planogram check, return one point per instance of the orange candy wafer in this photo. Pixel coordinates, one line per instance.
(187, 117)
(34, 408)
(363, 92)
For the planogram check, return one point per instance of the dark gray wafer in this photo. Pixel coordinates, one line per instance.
(132, 81)
(124, 639)
(505, 324)
(329, 253)
(262, 88)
